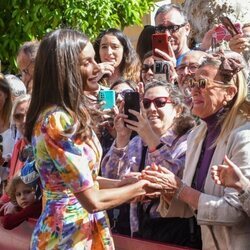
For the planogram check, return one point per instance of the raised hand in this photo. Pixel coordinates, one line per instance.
(229, 175)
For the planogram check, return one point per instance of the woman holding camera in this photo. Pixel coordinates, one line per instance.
(219, 92)
(162, 128)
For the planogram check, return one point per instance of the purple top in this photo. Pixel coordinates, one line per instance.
(120, 161)
(207, 151)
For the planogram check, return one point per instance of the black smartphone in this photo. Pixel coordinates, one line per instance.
(132, 101)
(229, 25)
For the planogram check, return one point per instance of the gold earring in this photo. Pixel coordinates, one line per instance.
(224, 103)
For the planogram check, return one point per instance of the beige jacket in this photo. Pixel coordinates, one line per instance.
(223, 222)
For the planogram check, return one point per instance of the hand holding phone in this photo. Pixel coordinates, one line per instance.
(132, 101)
(107, 96)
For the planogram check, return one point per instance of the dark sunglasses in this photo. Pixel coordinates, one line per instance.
(204, 82)
(171, 28)
(122, 93)
(145, 68)
(19, 116)
(159, 102)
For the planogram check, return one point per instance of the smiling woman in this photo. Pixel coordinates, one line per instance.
(67, 151)
(220, 99)
(162, 127)
(116, 57)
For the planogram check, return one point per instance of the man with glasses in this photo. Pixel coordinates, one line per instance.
(170, 18)
(26, 61)
(186, 70)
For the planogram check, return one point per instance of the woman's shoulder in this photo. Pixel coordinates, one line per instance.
(58, 122)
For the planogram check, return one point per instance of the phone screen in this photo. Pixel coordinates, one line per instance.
(132, 101)
(160, 41)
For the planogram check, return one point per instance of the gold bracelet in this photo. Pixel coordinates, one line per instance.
(179, 190)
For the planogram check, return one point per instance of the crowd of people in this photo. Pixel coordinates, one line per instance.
(178, 173)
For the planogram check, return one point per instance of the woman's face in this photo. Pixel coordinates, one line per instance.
(3, 98)
(89, 68)
(120, 91)
(25, 195)
(111, 50)
(147, 71)
(208, 100)
(160, 118)
(19, 116)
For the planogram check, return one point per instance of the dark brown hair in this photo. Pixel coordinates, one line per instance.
(57, 79)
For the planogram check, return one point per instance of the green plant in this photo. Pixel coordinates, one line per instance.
(24, 20)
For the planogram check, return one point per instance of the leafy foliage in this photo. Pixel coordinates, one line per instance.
(25, 20)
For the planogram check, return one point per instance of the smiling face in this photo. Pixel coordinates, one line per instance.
(178, 38)
(209, 100)
(89, 68)
(25, 195)
(111, 50)
(161, 119)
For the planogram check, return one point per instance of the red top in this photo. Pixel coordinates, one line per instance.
(10, 221)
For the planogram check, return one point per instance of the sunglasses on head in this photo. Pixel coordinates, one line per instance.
(145, 68)
(19, 116)
(159, 102)
(171, 28)
(123, 92)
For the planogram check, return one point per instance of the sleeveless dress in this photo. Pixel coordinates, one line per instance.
(66, 165)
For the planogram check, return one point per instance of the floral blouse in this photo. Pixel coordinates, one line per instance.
(66, 165)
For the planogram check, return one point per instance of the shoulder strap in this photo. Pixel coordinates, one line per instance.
(143, 158)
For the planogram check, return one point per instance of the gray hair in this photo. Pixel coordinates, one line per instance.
(168, 7)
(30, 49)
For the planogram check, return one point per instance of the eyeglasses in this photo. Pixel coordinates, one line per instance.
(146, 67)
(19, 116)
(26, 70)
(192, 67)
(204, 83)
(171, 28)
(122, 93)
(159, 102)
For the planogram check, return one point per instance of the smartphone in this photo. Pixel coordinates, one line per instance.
(229, 26)
(132, 101)
(107, 96)
(161, 71)
(160, 41)
(222, 34)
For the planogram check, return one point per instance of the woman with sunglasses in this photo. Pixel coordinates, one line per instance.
(219, 93)
(162, 128)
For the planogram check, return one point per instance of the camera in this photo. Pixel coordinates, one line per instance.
(161, 70)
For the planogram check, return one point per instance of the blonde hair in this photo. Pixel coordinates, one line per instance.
(20, 99)
(241, 105)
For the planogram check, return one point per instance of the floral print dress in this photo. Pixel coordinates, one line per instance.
(66, 166)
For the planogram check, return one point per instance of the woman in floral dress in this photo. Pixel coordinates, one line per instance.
(67, 152)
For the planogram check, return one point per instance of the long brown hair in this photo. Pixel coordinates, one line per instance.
(57, 79)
